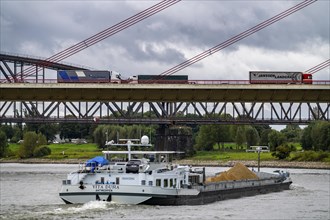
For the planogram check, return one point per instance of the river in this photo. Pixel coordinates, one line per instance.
(30, 191)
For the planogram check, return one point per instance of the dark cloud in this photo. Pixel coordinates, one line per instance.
(42, 28)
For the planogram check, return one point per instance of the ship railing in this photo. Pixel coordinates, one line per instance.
(263, 175)
(75, 178)
(93, 169)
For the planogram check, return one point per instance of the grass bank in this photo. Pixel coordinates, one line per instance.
(227, 156)
(74, 153)
(65, 151)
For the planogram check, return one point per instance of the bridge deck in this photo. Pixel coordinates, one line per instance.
(164, 92)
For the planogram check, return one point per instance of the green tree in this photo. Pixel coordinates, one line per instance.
(75, 130)
(252, 136)
(220, 134)
(3, 144)
(240, 137)
(264, 137)
(49, 130)
(306, 138)
(203, 140)
(18, 134)
(316, 136)
(14, 133)
(282, 152)
(320, 135)
(31, 141)
(325, 137)
(209, 135)
(261, 129)
(100, 136)
(276, 139)
(8, 130)
(292, 133)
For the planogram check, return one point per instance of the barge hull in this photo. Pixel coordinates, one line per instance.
(217, 195)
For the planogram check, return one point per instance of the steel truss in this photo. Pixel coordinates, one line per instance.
(14, 66)
(164, 112)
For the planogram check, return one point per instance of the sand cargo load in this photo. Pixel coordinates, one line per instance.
(237, 172)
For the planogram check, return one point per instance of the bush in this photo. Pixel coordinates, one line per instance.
(282, 152)
(42, 151)
(310, 156)
(3, 144)
(30, 143)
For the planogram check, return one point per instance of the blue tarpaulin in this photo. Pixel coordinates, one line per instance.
(96, 161)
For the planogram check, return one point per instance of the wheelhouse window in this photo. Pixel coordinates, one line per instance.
(165, 182)
(150, 183)
(143, 182)
(158, 182)
(171, 182)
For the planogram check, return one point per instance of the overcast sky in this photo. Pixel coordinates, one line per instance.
(296, 43)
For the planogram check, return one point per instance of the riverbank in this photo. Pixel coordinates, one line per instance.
(209, 163)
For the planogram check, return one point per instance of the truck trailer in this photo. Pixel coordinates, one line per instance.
(175, 79)
(271, 77)
(83, 76)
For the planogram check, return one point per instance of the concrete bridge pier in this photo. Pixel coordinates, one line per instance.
(174, 138)
(161, 137)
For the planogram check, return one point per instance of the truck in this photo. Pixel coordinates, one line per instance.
(176, 79)
(274, 77)
(83, 76)
(104, 76)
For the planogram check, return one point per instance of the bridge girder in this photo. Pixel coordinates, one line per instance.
(169, 113)
(164, 92)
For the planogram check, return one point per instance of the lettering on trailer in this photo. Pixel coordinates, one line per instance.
(105, 187)
(296, 76)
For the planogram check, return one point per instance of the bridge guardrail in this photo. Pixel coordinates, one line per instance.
(192, 82)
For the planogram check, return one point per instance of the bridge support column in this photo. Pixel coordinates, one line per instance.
(161, 137)
(174, 138)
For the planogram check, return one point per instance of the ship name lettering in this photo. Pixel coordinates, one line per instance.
(105, 186)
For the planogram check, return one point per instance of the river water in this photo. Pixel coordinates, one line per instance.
(30, 191)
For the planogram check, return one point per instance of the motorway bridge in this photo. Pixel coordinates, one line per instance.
(198, 102)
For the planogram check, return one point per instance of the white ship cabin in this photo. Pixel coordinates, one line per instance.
(146, 168)
(126, 155)
(133, 168)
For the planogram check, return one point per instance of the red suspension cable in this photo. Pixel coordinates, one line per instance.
(103, 34)
(234, 39)
(318, 67)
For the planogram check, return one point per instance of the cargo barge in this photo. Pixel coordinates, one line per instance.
(151, 177)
